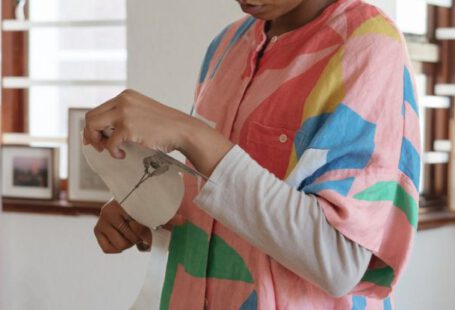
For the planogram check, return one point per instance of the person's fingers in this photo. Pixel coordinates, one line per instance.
(113, 143)
(103, 121)
(88, 138)
(127, 232)
(116, 238)
(142, 231)
(108, 105)
(104, 243)
(94, 126)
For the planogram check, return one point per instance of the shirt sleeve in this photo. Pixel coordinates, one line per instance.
(367, 142)
(286, 224)
(357, 162)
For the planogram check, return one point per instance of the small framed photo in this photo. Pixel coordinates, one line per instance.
(29, 172)
(83, 184)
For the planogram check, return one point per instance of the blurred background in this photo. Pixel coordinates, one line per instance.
(59, 57)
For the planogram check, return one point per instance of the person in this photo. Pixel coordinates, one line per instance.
(306, 121)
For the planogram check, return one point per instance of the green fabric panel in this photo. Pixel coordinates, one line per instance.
(226, 263)
(194, 261)
(394, 192)
(379, 276)
(190, 248)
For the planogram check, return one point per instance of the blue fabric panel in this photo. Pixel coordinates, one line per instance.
(348, 138)
(238, 34)
(409, 95)
(359, 303)
(410, 162)
(387, 304)
(251, 303)
(209, 54)
(340, 186)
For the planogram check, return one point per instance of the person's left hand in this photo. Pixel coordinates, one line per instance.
(116, 231)
(137, 118)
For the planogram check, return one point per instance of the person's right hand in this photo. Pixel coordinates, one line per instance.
(116, 231)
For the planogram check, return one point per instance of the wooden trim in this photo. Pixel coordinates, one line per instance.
(431, 218)
(437, 120)
(436, 219)
(53, 207)
(1, 68)
(14, 63)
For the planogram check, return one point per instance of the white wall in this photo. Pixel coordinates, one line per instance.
(166, 44)
(429, 280)
(54, 263)
(388, 6)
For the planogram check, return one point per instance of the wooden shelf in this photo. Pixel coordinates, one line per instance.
(60, 207)
(428, 219)
(436, 219)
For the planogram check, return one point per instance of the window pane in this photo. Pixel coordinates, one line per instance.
(78, 53)
(77, 9)
(412, 16)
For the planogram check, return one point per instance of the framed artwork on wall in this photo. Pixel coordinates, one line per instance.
(30, 172)
(83, 183)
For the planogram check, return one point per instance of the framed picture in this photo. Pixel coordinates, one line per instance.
(83, 183)
(29, 172)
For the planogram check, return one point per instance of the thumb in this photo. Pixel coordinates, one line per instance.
(113, 143)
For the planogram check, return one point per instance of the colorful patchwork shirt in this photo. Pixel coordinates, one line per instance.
(327, 110)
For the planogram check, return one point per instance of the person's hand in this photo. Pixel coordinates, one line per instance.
(116, 231)
(134, 117)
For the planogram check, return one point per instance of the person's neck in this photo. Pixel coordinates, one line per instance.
(298, 17)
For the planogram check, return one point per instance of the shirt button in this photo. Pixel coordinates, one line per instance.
(273, 39)
(283, 138)
(206, 303)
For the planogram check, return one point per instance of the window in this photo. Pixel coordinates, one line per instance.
(74, 46)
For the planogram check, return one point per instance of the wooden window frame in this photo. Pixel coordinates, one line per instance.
(14, 63)
(437, 120)
(14, 119)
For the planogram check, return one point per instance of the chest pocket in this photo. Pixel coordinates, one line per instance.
(271, 147)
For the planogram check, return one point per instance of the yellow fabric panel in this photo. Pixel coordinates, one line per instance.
(329, 90)
(377, 25)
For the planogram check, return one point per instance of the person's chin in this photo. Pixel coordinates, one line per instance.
(260, 12)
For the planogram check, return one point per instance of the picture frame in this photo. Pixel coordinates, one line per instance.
(30, 172)
(84, 185)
